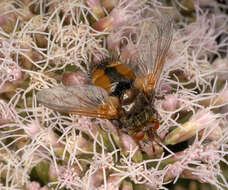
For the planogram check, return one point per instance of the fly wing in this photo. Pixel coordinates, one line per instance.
(86, 100)
(153, 45)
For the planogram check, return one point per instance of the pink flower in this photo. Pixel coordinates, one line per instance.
(126, 13)
(35, 186)
(170, 102)
(33, 129)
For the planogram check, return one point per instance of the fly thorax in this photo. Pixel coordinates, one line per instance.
(136, 109)
(128, 101)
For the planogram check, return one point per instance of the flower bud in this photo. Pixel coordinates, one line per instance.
(8, 16)
(206, 3)
(153, 149)
(170, 103)
(201, 120)
(7, 87)
(53, 173)
(188, 4)
(73, 78)
(78, 145)
(113, 40)
(97, 178)
(35, 186)
(6, 113)
(41, 171)
(128, 145)
(221, 66)
(96, 8)
(129, 53)
(116, 18)
(109, 4)
(126, 185)
(214, 135)
(219, 99)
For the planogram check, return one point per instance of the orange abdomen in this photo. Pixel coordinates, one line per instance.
(110, 74)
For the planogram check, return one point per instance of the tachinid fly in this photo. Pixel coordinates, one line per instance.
(118, 91)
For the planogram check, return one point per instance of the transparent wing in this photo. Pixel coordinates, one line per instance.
(86, 100)
(154, 43)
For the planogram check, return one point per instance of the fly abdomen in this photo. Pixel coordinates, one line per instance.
(113, 76)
